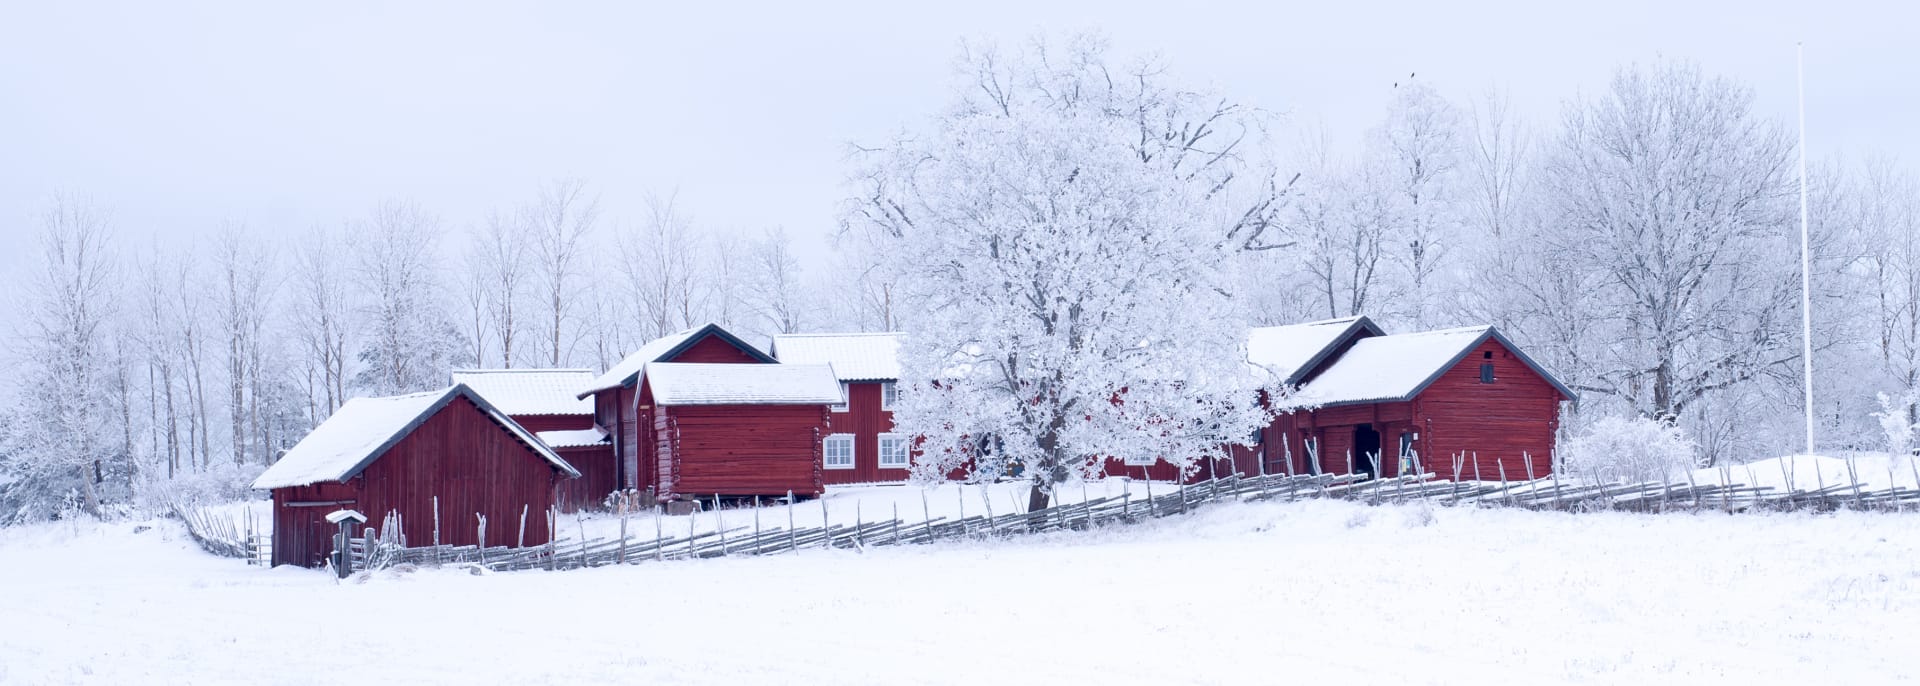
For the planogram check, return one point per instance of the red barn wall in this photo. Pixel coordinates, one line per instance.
(866, 420)
(1495, 424)
(472, 464)
(765, 450)
(713, 349)
(554, 422)
(597, 478)
(301, 534)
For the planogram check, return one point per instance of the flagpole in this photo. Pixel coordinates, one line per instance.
(1806, 258)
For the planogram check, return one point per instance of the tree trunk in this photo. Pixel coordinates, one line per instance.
(1037, 498)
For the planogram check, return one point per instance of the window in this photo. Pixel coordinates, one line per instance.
(1486, 372)
(1139, 461)
(893, 451)
(836, 451)
(888, 395)
(842, 405)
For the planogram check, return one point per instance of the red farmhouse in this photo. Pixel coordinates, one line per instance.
(701, 413)
(400, 454)
(862, 447)
(542, 401)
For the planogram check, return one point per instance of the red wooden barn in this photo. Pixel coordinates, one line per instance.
(1389, 400)
(702, 412)
(862, 447)
(399, 454)
(1421, 400)
(543, 401)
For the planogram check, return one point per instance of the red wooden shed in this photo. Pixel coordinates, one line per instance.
(408, 454)
(1378, 404)
(862, 446)
(737, 430)
(1421, 400)
(544, 401)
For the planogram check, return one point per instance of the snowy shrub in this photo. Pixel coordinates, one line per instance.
(1895, 423)
(222, 482)
(1628, 449)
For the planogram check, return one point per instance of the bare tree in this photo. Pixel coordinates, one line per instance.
(244, 266)
(661, 261)
(501, 252)
(322, 312)
(408, 336)
(1676, 199)
(73, 297)
(775, 295)
(560, 221)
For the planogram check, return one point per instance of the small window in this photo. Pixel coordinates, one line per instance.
(836, 451)
(844, 395)
(893, 451)
(888, 395)
(1486, 372)
(1139, 461)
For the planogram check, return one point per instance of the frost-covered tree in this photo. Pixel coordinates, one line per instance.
(410, 344)
(1058, 239)
(560, 223)
(1632, 449)
(1415, 170)
(776, 295)
(1890, 238)
(68, 368)
(1671, 203)
(660, 269)
(321, 313)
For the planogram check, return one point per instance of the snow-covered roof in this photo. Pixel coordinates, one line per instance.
(573, 438)
(659, 349)
(854, 356)
(365, 428)
(523, 392)
(1290, 352)
(1398, 367)
(676, 383)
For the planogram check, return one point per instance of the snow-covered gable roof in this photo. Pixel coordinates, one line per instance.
(365, 428)
(1291, 352)
(663, 348)
(1398, 367)
(854, 356)
(524, 392)
(574, 438)
(676, 383)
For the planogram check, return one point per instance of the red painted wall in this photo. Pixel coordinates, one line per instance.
(597, 478)
(740, 450)
(1495, 423)
(554, 422)
(866, 420)
(713, 349)
(460, 455)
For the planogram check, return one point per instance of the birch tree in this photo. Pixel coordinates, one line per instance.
(775, 294)
(660, 262)
(410, 345)
(1059, 235)
(322, 315)
(501, 255)
(560, 222)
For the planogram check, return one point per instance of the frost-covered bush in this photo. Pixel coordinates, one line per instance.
(1895, 424)
(1628, 449)
(222, 482)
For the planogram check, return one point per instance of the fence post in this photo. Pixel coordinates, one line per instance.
(793, 541)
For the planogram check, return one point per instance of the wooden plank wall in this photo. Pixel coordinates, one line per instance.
(474, 466)
(1495, 423)
(597, 478)
(741, 450)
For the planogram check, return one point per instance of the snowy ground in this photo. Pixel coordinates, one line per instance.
(1233, 594)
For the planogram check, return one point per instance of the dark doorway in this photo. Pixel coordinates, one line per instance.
(1366, 450)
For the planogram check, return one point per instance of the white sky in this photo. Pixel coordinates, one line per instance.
(179, 116)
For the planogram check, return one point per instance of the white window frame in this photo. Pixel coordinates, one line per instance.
(1138, 461)
(846, 398)
(905, 450)
(889, 394)
(826, 459)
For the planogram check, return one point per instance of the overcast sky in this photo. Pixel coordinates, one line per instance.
(178, 116)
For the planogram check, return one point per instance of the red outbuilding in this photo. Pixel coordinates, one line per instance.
(862, 446)
(543, 401)
(1388, 404)
(702, 413)
(448, 456)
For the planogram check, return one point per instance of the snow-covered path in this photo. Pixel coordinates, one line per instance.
(1233, 594)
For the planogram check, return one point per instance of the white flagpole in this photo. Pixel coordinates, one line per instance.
(1806, 258)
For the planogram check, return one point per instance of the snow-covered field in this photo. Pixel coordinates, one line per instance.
(1311, 591)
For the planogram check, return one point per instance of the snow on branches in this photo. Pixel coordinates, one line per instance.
(1061, 241)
